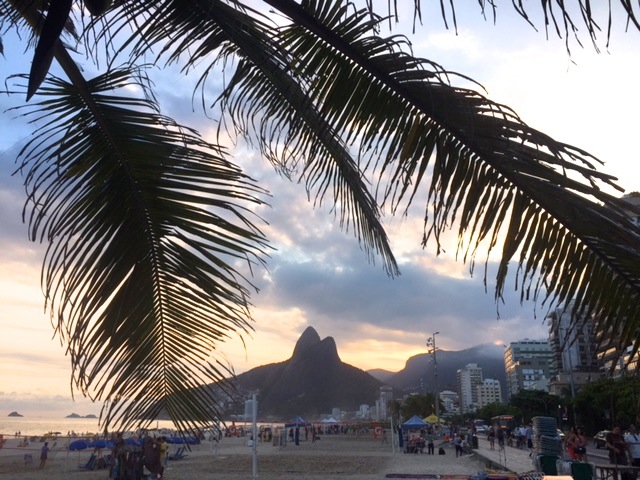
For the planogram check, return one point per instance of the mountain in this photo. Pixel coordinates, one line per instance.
(381, 374)
(313, 381)
(419, 372)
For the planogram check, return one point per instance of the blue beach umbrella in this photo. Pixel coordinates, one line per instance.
(100, 444)
(78, 445)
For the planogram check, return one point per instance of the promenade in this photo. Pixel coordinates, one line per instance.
(511, 458)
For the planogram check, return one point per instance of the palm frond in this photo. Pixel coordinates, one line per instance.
(269, 104)
(144, 223)
(489, 171)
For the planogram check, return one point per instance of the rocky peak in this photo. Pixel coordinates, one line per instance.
(308, 340)
(309, 346)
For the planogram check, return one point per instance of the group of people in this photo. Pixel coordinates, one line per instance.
(624, 449)
(127, 462)
(496, 435)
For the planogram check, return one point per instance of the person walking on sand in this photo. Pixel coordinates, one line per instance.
(44, 453)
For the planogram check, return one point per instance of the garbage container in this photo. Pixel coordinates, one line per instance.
(474, 441)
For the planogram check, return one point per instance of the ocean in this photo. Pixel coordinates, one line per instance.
(38, 426)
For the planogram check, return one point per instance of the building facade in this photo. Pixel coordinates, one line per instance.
(489, 391)
(574, 351)
(528, 365)
(469, 378)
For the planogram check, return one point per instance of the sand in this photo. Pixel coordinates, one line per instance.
(333, 457)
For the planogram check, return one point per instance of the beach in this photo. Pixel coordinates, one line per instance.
(333, 457)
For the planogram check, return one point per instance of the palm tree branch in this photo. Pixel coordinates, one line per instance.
(264, 82)
(141, 224)
(460, 126)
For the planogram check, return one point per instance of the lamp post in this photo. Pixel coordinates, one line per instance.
(431, 344)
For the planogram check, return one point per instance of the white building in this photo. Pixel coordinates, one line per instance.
(382, 403)
(489, 391)
(469, 378)
(450, 401)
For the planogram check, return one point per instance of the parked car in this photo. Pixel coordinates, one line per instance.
(482, 429)
(600, 439)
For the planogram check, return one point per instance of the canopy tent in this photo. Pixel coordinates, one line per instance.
(329, 420)
(433, 419)
(296, 422)
(414, 422)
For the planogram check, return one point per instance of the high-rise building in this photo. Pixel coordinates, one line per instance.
(574, 350)
(528, 365)
(382, 403)
(469, 378)
(489, 391)
(618, 359)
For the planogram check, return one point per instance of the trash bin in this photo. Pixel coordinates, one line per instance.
(474, 441)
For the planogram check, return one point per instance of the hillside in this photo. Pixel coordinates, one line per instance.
(313, 381)
(419, 373)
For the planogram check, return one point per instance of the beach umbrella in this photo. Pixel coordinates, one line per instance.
(78, 445)
(99, 444)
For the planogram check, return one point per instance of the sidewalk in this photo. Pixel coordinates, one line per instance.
(511, 459)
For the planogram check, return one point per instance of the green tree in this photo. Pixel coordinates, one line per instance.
(146, 222)
(421, 405)
(607, 401)
(494, 409)
(532, 403)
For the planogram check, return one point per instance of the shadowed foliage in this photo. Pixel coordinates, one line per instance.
(147, 224)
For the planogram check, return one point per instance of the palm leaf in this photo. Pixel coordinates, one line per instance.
(267, 102)
(548, 200)
(144, 222)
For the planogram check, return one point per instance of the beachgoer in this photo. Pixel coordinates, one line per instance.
(457, 442)
(580, 445)
(164, 447)
(569, 443)
(117, 465)
(151, 454)
(500, 437)
(44, 453)
(491, 435)
(633, 442)
(617, 447)
(528, 435)
(430, 445)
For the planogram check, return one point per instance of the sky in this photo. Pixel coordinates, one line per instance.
(318, 275)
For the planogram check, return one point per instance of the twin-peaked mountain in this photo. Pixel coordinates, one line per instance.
(314, 380)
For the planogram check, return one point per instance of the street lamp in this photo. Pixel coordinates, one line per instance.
(431, 344)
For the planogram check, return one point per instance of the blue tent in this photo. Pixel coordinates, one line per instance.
(296, 422)
(414, 423)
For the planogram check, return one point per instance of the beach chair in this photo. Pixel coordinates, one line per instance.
(179, 455)
(91, 463)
